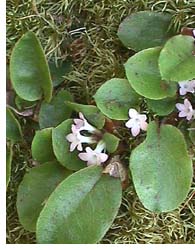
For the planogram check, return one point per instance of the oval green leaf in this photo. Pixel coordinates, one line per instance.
(53, 113)
(111, 142)
(115, 97)
(91, 113)
(34, 190)
(143, 73)
(61, 147)
(161, 169)
(29, 70)
(42, 149)
(81, 209)
(177, 60)
(162, 107)
(145, 29)
(13, 129)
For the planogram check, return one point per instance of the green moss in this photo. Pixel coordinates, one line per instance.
(97, 55)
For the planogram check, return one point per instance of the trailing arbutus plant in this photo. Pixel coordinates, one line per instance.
(74, 192)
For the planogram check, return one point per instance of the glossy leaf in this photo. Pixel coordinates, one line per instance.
(145, 29)
(61, 147)
(34, 190)
(90, 112)
(42, 149)
(57, 72)
(161, 168)
(13, 129)
(111, 141)
(162, 107)
(115, 97)
(81, 209)
(143, 73)
(53, 113)
(29, 69)
(9, 155)
(177, 60)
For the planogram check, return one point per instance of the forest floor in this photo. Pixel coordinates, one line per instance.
(97, 55)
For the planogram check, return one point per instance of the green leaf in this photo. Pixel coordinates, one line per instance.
(53, 113)
(143, 73)
(13, 129)
(57, 72)
(61, 147)
(91, 113)
(162, 107)
(161, 168)
(34, 190)
(145, 29)
(42, 149)
(192, 132)
(111, 142)
(29, 69)
(176, 61)
(81, 209)
(9, 155)
(115, 97)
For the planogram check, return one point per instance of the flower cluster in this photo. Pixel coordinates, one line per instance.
(186, 110)
(76, 139)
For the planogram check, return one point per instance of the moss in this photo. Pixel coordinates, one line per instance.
(97, 55)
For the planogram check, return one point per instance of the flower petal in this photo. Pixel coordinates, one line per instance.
(79, 147)
(187, 104)
(89, 150)
(133, 113)
(182, 91)
(78, 123)
(182, 114)
(130, 123)
(73, 146)
(189, 116)
(135, 130)
(83, 156)
(143, 125)
(182, 83)
(81, 116)
(142, 118)
(70, 137)
(103, 157)
(180, 106)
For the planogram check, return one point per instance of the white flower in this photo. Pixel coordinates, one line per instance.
(185, 110)
(186, 86)
(76, 139)
(82, 124)
(136, 122)
(94, 157)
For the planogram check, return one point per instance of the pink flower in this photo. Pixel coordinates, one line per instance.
(76, 139)
(82, 124)
(94, 157)
(186, 86)
(136, 122)
(185, 110)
